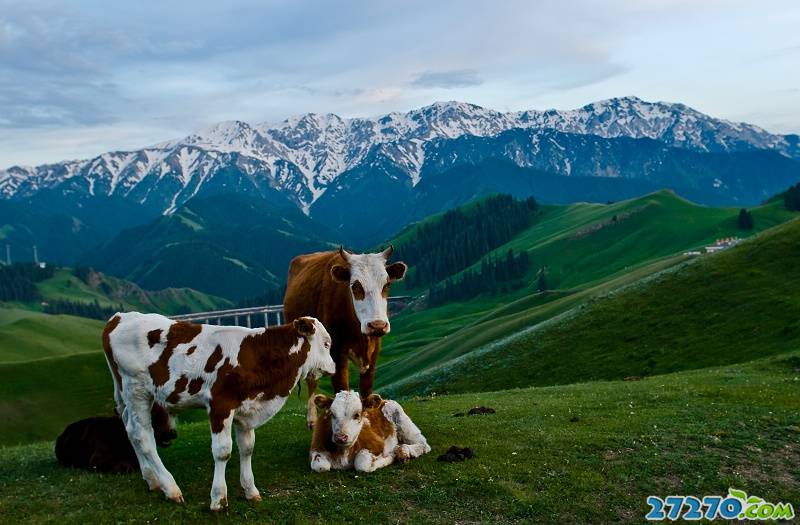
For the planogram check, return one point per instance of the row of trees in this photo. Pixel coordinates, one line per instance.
(91, 310)
(460, 238)
(496, 275)
(18, 281)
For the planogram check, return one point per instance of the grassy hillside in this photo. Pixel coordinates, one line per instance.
(233, 246)
(112, 291)
(729, 307)
(27, 335)
(589, 248)
(587, 453)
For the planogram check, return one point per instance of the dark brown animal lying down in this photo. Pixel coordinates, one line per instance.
(97, 443)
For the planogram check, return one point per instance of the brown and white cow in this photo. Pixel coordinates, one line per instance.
(348, 292)
(241, 376)
(364, 437)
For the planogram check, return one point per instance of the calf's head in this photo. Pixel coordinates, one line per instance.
(319, 359)
(369, 275)
(347, 414)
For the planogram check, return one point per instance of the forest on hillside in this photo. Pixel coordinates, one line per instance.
(461, 237)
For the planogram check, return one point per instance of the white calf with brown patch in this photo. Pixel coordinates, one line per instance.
(365, 436)
(241, 376)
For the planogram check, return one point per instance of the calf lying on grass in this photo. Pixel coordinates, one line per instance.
(365, 437)
(97, 443)
(242, 377)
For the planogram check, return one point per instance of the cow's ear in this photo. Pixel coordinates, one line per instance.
(304, 326)
(322, 401)
(396, 270)
(372, 401)
(340, 273)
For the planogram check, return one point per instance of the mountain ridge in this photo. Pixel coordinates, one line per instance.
(303, 155)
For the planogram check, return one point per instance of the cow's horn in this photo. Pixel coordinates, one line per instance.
(344, 253)
(388, 252)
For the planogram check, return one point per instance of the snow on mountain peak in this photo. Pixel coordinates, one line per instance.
(304, 154)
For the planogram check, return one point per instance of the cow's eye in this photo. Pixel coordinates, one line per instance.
(356, 416)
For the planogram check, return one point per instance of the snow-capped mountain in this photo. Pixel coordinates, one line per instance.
(303, 156)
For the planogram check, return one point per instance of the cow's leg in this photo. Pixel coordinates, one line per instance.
(366, 461)
(140, 431)
(221, 446)
(367, 378)
(320, 461)
(341, 379)
(412, 443)
(311, 408)
(246, 440)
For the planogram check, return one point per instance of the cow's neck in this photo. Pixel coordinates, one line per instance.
(275, 359)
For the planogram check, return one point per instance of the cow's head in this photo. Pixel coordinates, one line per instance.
(319, 360)
(347, 414)
(369, 275)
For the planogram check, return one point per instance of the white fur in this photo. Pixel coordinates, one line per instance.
(369, 269)
(133, 355)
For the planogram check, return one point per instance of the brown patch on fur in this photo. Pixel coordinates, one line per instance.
(374, 434)
(110, 326)
(265, 368)
(213, 359)
(180, 386)
(195, 385)
(190, 350)
(154, 337)
(179, 333)
(358, 291)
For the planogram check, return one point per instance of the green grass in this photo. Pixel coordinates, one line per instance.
(585, 453)
(27, 335)
(730, 307)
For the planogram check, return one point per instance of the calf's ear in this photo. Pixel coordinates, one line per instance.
(396, 270)
(372, 401)
(322, 401)
(304, 326)
(340, 273)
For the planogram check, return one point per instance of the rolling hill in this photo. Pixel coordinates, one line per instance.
(587, 249)
(729, 307)
(233, 246)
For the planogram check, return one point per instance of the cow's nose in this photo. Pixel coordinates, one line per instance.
(377, 327)
(340, 438)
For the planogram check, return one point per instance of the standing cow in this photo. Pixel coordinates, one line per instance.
(241, 376)
(348, 292)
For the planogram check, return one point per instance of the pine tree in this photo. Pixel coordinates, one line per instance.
(745, 220)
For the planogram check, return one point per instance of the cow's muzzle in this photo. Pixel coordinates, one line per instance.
(377, 328)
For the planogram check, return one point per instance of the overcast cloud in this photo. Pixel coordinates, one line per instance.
(83, 77)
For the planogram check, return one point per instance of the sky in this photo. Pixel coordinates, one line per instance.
(84, 77)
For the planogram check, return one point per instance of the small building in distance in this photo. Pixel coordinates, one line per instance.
(721, 244)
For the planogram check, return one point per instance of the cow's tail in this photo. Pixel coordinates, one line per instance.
(112, 363)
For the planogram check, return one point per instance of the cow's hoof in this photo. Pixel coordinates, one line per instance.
(401, 454)
(177, 498)
(220, 506)
(255, 498)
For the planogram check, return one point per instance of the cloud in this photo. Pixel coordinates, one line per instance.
(448, 79)
(114, 73)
